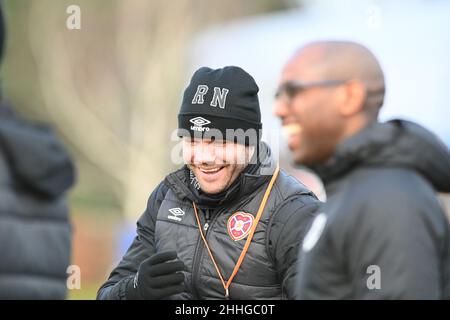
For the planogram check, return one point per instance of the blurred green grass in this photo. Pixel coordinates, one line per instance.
(87, 292)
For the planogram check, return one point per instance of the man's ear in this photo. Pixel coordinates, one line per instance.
(354, 98)
(252, 150)
(245, 155)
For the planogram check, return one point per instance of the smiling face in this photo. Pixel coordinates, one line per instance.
(216, 164)
(320, 117)
(311, 117)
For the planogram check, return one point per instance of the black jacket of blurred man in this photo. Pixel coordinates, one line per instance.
(35, 232)
(382, 233)
(200, 220)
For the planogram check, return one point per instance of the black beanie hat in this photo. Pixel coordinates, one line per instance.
(219, 100)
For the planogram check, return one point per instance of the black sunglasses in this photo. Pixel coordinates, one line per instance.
(291, 88)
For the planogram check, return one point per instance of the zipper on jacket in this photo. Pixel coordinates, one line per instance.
(198, 253)
(195, 268)
(206, 225)
(200, 248)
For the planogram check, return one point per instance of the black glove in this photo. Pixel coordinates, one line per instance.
(157, 277)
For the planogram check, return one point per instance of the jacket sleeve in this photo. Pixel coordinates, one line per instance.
(395, 249)
(287, 228)
(141, 248)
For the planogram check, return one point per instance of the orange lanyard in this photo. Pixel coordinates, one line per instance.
(227, 284)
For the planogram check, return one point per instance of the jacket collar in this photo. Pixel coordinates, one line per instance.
(396, 143)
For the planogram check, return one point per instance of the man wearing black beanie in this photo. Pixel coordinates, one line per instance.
(229, 223)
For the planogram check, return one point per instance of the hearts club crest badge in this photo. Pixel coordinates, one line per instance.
(239, 225)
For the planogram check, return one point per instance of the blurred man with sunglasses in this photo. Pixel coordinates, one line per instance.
(383, 233)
